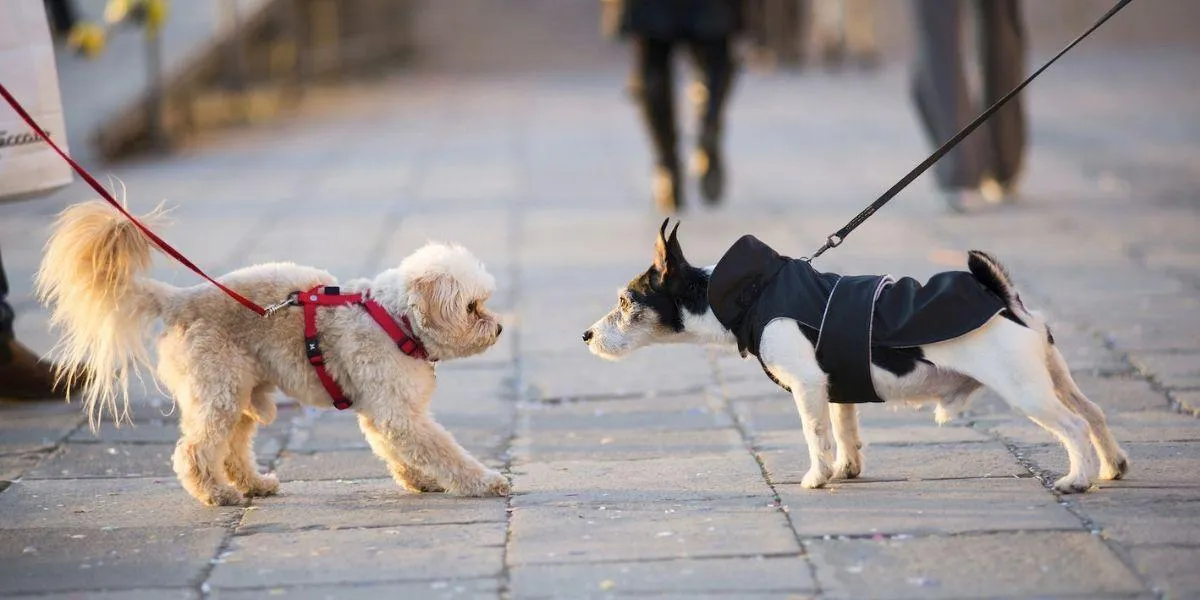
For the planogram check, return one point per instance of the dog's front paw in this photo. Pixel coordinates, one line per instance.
(1072, 484)
(848, 469)
(815, 478)
(418, 482)
(263, 485)
(223, 495)
(1116, 468)
(490, 483)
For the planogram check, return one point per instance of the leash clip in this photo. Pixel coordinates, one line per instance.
(293, 299)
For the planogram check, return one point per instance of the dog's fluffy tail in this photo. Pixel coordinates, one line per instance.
(90, 278)
(995, 277)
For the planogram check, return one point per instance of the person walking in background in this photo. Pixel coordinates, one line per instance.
(657, 27)
(845, 32)
(984, 168)
(63, 16)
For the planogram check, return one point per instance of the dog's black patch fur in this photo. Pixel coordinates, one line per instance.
(685, 288)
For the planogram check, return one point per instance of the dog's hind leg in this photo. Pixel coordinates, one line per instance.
(1114, 463)
(405, 474)
(207, 418)
(1010, 359)
(241, 465)
(849, 462)
(203, 375)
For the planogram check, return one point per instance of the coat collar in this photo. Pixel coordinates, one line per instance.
(739, 278)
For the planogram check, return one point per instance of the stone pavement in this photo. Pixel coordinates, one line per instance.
(675, 473)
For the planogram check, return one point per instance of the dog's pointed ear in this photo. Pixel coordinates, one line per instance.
(668, 254)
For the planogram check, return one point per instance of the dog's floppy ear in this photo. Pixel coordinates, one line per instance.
(435, 298)
(668, 254)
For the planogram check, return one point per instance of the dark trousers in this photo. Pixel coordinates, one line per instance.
(654, 86)
(944, 102)
(62, 15)
(6, 311)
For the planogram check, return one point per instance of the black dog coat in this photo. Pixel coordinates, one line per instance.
(845, 317)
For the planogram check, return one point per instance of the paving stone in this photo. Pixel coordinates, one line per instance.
(24, 431)
(1145, 515)
(669, 413)
(1166, 337)
(753, 386)
(623, 444)
(133, 594)
(470, 589)
(578, 374)
(644, 530)
(330, 432)
(16, 465)
(362, 555)
(150, 432)
(1189, 402)
(484, 392)
(140, 502)
(789, 463)
(1019, 564)
(1170, 570)
(367, 503)
(692, 478)
(82, 557)
(1152, 464)
(924, 507)
(1148, 426)
(1161, 365)
(741, 576)
(1121, 394)
(75, 461)
(774, 421)
(331, 464)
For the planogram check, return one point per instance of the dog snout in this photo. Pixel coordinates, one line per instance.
(587, 336)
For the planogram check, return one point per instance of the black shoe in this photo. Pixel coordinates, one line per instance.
(709, 166)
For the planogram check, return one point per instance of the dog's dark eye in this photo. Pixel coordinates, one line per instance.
(473, 306)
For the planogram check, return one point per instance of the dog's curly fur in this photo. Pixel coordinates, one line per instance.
(223, 363)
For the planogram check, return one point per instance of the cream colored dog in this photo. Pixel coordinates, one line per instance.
(222, 363)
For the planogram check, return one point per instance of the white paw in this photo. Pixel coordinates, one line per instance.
(1110, 471)
(849, 469)
(489, 483)
(263, 485)
(220, 495)
(815, 478)
(1072, 484)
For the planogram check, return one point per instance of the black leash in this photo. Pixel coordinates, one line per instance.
(835, 240)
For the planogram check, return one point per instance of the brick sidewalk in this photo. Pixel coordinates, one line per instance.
(677, 472)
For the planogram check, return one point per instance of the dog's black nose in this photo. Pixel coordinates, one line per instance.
(499, 329)
(587, 336)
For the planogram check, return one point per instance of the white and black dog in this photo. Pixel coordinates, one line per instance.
(834, 341)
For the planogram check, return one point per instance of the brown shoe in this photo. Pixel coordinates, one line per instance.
(23, 376)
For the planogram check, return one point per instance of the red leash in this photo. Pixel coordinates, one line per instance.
(165, 247)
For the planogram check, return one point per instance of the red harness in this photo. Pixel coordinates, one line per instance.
(329, 295)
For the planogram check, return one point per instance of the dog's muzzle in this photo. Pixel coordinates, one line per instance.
(588, 335)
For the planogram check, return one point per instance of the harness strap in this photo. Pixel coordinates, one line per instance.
(328, 296)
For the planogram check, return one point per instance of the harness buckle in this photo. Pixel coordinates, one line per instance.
(312, 349)
(293, 299)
